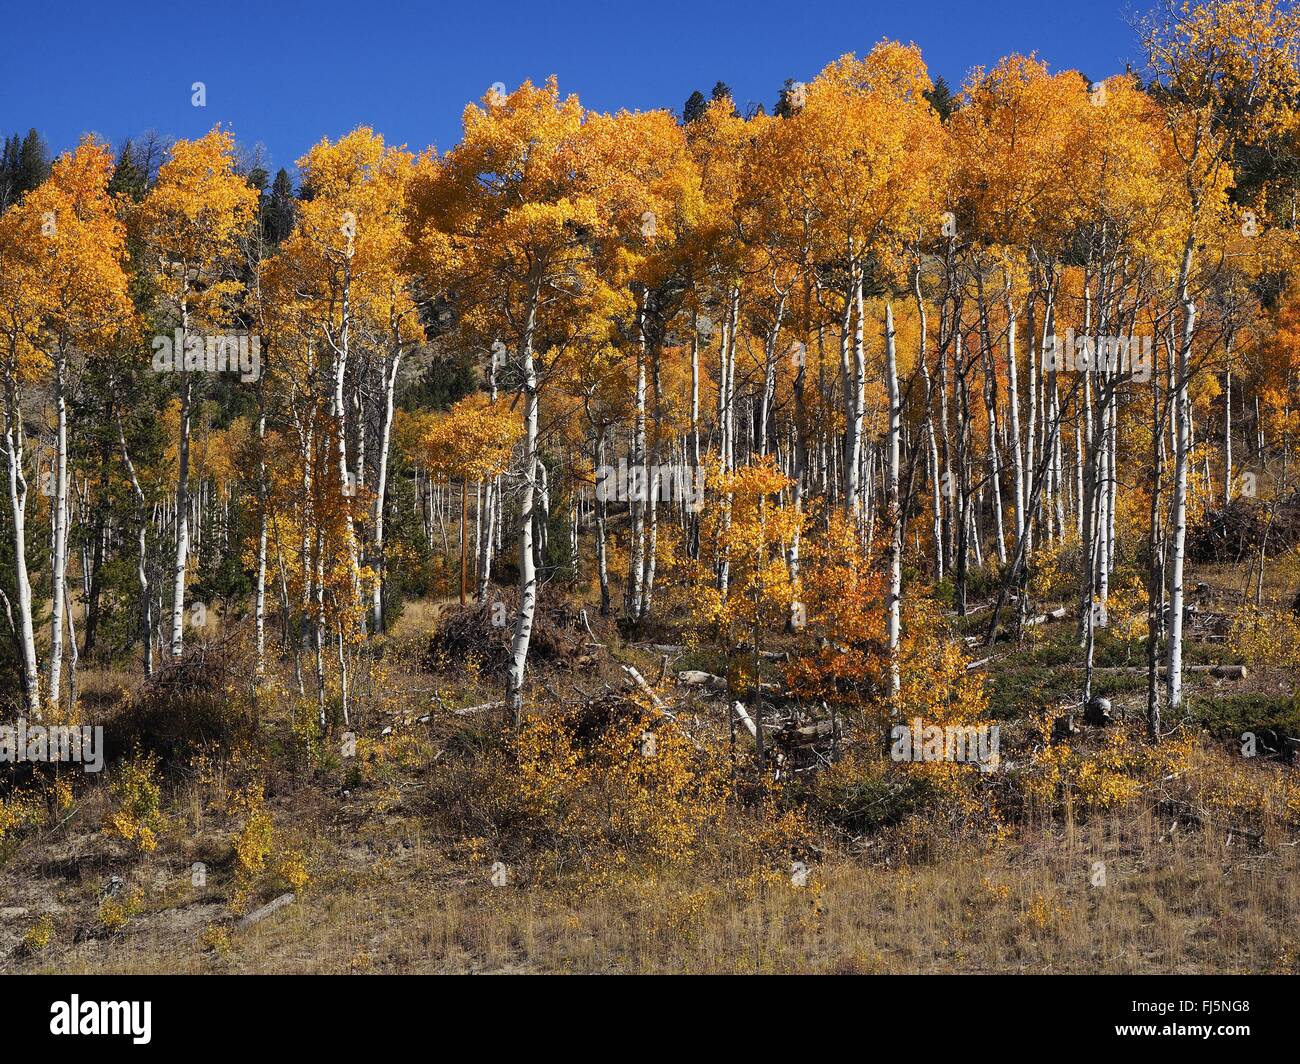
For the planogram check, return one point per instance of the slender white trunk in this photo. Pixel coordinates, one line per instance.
(894, 602)
(381, 484)
(182, 509)
(1181, 452)
(59, 559)
(1227, 433)
(17, 484)
(1013, 400)
(527, 570)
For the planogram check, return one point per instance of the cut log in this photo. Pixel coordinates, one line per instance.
(648, 691)
(807, 734)
(466, 711)
(265, 911)
(1057, 614)
(743, 715)
(656, 703)
(766, 655)
(1219, 672)
(698, 678)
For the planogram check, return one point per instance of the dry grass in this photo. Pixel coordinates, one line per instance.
(394, 889)
(1172, 903)
(399, 846)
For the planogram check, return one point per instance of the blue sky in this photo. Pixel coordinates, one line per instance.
(285, 74)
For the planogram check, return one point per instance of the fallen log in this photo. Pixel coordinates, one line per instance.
(745, 719)
(265, 911)
(1057, 614)
(465, 711)
(766, 655)
(806, 735)
(698, 678)
(1219, 672)
(657, 703)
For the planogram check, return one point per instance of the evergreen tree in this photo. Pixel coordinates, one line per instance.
(695, 107)
(24, 164)
(128, 179)
(941, 98)
(279, 211)
(784, 106)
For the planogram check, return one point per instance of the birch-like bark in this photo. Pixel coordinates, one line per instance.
(17, 484)
(142, 556)
(1174, 671)
(527, 570)
(1013, 404)
(895, 599)
(381, 481)
(59, 558)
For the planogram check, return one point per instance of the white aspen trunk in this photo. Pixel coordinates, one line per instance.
(490, 495)
(263, 529)
(602, 552)
(541, 535)
(894, 602)
(527, 570)
(381, 483)
(1174, 675)
(859, 393)
(849, 457)
(1013, 401)
(142, 558)
(693, 540)
(182, 500)
(637, 487)
(338, 408)
(318, 578)
(17, 484)
(990, 400)
(729, 424)
(59, 559)
(655, 486)
(1227, 432)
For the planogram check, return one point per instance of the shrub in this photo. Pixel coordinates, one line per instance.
(137, 801)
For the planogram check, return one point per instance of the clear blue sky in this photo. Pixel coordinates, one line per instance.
(285, 74)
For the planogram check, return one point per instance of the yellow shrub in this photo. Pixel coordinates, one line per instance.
(18, 811)
(215, 938)
(254, 841)
(292, 868)
(1267, 637)
(255, 850)
(631, 786)
(137, 798)
(113, 914)
(39, 935)
(1110, 777)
